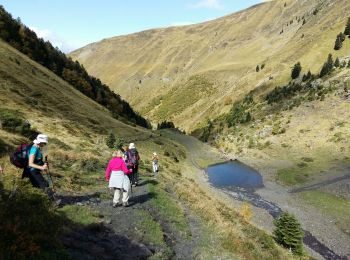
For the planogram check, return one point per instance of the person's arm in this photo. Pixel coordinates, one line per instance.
(31, 161)
(108, 171)
(125, 168)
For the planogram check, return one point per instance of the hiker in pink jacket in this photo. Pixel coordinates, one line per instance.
(116, 175)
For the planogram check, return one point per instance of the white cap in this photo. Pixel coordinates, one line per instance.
(41, 139)
(154, 153)
(132, 146)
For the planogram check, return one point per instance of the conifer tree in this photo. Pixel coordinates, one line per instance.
(327, 66)
(339, 41)
(257, 68)
(289, 233)
(296, 70)
(118, 144)
(110, 140)
(337, 63)
(349, 64)
(307, 76)
(347, 28)
(330, 63)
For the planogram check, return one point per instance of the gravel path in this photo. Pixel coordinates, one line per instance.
(118, 236)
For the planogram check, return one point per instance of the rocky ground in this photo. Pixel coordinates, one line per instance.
(324, 236)
(118, 235)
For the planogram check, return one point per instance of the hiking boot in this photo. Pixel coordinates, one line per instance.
(125, 204)
(116, 205)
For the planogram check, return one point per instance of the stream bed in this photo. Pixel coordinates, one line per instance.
(240, 182)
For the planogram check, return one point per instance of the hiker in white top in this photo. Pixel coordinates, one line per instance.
(116, 175)
(155, 164)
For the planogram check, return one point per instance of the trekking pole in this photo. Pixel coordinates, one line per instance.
(49, 174)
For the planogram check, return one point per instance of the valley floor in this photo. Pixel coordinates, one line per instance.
(322, 226)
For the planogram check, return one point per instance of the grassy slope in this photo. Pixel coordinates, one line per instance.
(54, 107)
(225, 50)
(77, 128)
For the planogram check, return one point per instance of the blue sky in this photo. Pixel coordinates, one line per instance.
(70, 24)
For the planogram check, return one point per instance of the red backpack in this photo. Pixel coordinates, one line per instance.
(20, 156)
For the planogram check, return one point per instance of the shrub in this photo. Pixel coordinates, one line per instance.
(339, 41)
(347, 28)
(307, 159)
(296, 70)
(158, 142)
(165, 124)
(29, 228)
(4, 148)
(337, 63)
(246, 211)
(302, 164)
(90, 165)
(288, 233)
(59, 144)
(327, 66)
(118, 144)
(110, 141)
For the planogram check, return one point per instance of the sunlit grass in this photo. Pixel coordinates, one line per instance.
(331, 205)
(83, 215)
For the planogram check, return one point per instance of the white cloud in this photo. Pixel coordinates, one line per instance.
(180, 23)
(213, 4)
(56, 40)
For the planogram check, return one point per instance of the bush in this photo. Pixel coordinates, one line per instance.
(296, 70)
(90, 165)
(4, 148)
(110, 141)
(29, 229)
(59, 144)
(13, 121)
(288, 233)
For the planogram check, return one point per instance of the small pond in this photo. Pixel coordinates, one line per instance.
(234, 173)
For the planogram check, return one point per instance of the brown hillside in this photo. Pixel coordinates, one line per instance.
(160, 64)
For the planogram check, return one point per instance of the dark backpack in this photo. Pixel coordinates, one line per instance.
(20, 156)
(133, 157)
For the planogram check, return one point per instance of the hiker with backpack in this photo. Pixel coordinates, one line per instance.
(36, 165)
(133, 158)
(116, 175)
(155, 164)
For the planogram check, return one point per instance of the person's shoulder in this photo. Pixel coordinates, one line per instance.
(33, 149)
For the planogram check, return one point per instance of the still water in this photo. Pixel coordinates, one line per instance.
(234, 173)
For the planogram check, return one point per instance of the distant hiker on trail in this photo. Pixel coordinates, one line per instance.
(125, 154)
(36, 165)
(116, 174)
(133, 163)
(155, 164)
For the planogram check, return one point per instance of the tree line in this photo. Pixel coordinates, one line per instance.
(19, 36)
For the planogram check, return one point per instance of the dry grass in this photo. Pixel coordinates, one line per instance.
(225, 50)
(231, 230)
